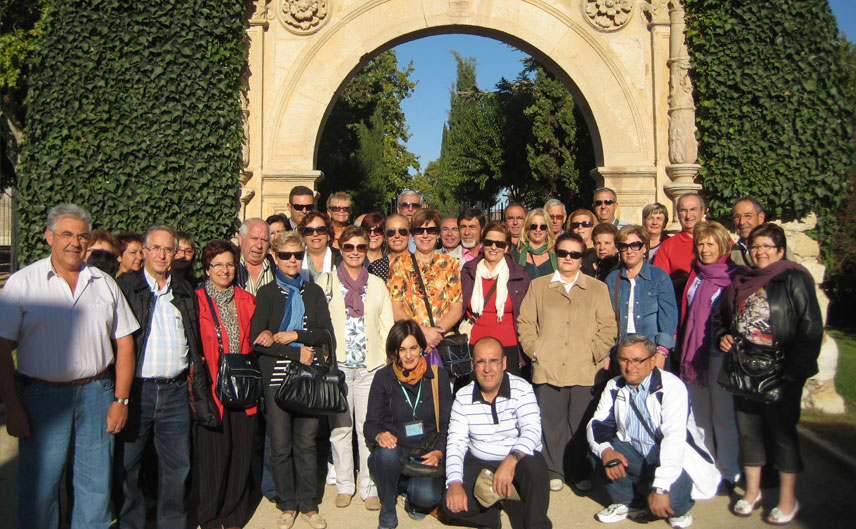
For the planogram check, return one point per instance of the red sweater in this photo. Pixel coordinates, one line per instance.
(675, 255)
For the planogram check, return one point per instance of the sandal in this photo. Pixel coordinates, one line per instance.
(744, 509)
(777, 517)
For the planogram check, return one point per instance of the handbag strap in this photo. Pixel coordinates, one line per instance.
(216, 323)
(435, 390)
(422, 286)
(642, 420)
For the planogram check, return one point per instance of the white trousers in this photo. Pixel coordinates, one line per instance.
(359, 381)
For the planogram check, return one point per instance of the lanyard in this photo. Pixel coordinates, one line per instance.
(406, 396)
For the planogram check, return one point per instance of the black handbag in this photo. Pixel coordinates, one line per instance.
(754, 372)
(454, 349)
(413, 466)
(317, 389)
(239, 379)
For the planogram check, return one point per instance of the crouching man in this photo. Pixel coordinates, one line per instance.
(496, 425)
(645, 436)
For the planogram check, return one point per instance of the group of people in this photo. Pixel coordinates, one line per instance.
(595, 349)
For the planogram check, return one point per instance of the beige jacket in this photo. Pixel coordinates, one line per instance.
(566, 335)
(377, 317)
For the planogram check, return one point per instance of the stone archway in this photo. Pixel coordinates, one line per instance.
(624, 61)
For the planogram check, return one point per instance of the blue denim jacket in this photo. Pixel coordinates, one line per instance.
(655, 310)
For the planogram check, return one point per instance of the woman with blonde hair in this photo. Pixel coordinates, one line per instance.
(536, 245)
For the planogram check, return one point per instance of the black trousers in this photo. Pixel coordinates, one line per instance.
(565, 412)
(779, 421)
(530, 480)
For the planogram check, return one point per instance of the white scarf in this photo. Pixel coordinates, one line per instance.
(500, 273)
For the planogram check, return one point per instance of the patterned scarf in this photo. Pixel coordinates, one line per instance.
(292, 316)
(225, 301)
(415, 375)
(528, 249)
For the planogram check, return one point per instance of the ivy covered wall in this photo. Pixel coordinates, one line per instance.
(134, 113)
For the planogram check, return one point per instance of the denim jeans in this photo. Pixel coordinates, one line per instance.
(268, 487)
(640, 471)
(64, 418)
(422, 493)
(162, 411)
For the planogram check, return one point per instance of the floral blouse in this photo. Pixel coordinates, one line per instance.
(442, 279)
(753, 319)
(355, 337)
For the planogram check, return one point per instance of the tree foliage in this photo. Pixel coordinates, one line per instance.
(134, 113)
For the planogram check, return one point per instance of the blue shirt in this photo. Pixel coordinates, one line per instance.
(640, 439)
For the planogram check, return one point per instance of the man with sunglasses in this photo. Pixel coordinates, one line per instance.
(301, 200)
(644, 435)
(557, 212)
(470, 224)
(604, 204)
(409, 202)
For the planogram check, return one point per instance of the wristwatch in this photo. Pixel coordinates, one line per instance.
(660, 491)
(517, 455)
(122, 401)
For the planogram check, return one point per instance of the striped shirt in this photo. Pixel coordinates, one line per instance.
(490, 431)
(244, 279)
(165, 355)
(281, 366)
(640, 439)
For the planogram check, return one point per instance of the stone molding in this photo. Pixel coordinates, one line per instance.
(607, 15)
(303, 17)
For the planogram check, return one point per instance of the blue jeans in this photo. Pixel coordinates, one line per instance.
(162, 411)
(640, 471)
(268, 487)
(64, 418)
(385, 466)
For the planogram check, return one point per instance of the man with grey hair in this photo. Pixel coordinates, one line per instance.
(255, 267)
(748, 214)
(67, 318)
(604, 204)
(408, 202)
(166, 347)
(556, 210)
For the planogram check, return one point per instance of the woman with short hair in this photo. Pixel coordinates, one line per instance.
(130, 256)
(606, 257)
(102, 251)
(536, 245)
(655, 217)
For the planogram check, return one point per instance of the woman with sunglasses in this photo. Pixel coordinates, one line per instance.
(316, 229)
(536, 245)
(567, 328)
(291, 319)
(645, 302)
(373, 225)
(493, 288)
(397, 239)
(438, 306)
(655, 217)
(362, 317)
(582, 222)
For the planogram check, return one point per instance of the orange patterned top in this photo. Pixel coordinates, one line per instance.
(442, 281)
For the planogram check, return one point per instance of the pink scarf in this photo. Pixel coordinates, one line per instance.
(355, 287)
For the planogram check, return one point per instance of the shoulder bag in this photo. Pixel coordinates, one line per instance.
(317, 389)
(413, 466)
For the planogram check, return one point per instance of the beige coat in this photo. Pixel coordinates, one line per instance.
(566, 335)
(377, 317)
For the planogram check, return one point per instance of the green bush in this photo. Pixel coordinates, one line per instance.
(134, 113)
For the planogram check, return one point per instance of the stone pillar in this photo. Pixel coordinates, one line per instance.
(635, 186)
(276, 185)
(252, 101)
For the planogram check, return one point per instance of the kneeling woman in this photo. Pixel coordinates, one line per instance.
(401, 417)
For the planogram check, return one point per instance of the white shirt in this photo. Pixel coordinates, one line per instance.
(63, 336)
(165, 355)
(557, 278)
(631, 315)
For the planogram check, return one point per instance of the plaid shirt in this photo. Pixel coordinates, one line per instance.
(165, 355)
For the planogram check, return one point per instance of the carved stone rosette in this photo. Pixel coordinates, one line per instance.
(302, 17)
(608, 15)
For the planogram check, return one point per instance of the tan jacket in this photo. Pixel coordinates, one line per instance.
(377, 317)
(567, 335)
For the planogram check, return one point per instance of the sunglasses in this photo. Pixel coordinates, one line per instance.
(376, 229)
(557, 217)
(584, 224)
(404, 232)
(320, 230)
(502, 245)
(635, 246)
(340, 209)
(433, 230)
(414, 205)
(561, 254)
(362, 248)
(301, 207)
(535, 227)
(604, 202)
(286, 256)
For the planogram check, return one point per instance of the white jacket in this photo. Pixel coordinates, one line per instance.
(681, 442)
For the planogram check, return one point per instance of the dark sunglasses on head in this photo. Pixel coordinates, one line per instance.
(321, 230)
(502, 245)
(602, 202)
(433, 230)
(534, 227)
(561, 254)
(583, 224)
(286, 256)
(301, 207)
(362, 248)
(635, 246)
(404, 232)
(376, 229)
(340, 209)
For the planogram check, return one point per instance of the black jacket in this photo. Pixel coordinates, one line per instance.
(140, 298)
(795, 318)
(242, 275)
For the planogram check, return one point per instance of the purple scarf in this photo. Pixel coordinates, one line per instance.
(696, 345)
(356, 288)
(755, 279)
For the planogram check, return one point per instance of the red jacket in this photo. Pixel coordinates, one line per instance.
(245, 304)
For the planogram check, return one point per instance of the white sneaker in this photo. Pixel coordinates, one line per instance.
(614, 513)
(331, 474)
(679, 522)
(556, 485)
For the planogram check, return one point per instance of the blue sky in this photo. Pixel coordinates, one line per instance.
(434, 70)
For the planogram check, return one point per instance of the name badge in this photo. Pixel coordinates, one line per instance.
(413, 428)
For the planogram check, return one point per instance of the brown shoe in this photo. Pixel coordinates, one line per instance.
(343, 500)
(372, 503)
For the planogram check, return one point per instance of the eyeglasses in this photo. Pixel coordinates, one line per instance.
(376, 229)
(536, 227)
(169, 250)
(410, 205)
(320, 230)
(767, 247)
(221, 266)
(635, 246)
(302, 207)
(67, 236)
(362, 248)
(404, 232)
(433, 230)
(583, 224)
(189, 252)
(745, 216)
(557, 217)
(502, 245)
(604, 202)
(340, 209)
(634, 361)
(286, 256)
(561, 254)
(481, 362)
